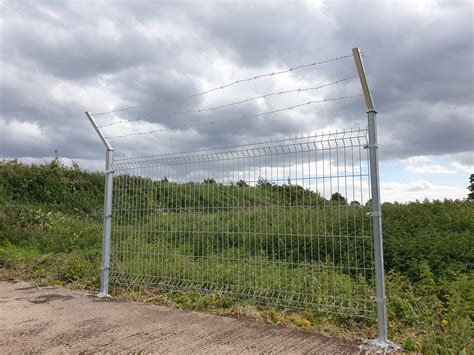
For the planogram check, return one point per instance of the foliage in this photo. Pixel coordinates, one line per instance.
(241, 183)
(337, 197)
(52, 185)
(50, 232)
(470, 196)
(439, 234)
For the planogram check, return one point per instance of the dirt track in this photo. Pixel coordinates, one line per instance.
(55, 320)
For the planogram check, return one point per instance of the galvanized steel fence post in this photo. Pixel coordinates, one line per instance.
(107, 225)
(376, 213)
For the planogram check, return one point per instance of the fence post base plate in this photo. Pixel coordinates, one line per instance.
(381, 344)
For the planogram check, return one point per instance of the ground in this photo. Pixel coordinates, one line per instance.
(57, 320)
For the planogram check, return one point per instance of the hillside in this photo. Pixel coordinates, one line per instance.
(50, 231)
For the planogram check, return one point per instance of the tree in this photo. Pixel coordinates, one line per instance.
(262, 182)
(338, 198)
(470, 196)
(241, 183)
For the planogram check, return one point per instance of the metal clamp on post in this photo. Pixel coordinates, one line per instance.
(378, 299)
(108, 172)
(374, 214)
(371, 146)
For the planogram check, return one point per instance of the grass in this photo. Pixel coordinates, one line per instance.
(50, 234)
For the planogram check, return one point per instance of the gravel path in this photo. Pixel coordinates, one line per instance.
(55, 320)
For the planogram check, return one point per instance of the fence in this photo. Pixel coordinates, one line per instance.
(269, 221)
(293, 222)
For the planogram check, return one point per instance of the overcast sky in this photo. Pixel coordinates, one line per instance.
(61, 58)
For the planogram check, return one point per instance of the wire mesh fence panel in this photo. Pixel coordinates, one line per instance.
(282, 222)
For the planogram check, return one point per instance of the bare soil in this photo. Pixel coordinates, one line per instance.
(56, 320)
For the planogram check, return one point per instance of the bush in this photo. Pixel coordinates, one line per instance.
(50, 231)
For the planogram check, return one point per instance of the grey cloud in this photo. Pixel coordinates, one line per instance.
(464, 159)
(420, 66)
(437, 130)
(76, 50)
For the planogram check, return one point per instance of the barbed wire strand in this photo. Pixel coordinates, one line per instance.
(174, 114)
(224, 86)
(234, 119)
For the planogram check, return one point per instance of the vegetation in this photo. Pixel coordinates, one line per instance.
(50, 232)
(470, 195)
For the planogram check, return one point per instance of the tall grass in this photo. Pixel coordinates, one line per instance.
(50, 232)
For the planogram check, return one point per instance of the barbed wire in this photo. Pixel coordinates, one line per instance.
(174, 114)
(224, 86)
(234, 119)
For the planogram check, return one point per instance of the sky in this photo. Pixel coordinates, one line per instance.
(61, 58)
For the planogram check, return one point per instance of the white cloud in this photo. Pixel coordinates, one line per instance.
(419, 190)
(22, 133)
(424, 165)
(462, 162)
(417, 160)
(463, 167)
(86, 164)
(429, 169)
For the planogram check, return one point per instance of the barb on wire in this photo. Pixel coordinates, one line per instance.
(174, 114)
(235, 119)
(224, 86)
